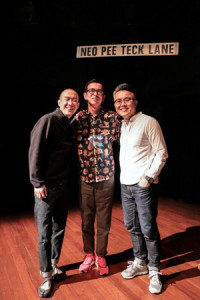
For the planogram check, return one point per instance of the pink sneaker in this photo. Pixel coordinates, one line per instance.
(101, 265)
(87, 263)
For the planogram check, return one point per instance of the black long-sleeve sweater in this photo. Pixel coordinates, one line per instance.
(50, 152)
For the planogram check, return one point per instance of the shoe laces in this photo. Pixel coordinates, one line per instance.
(154, 276)
(131, 264)
(88, 258)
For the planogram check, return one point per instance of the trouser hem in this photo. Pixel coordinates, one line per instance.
(46, 274)
(154, 268)
(140, 261)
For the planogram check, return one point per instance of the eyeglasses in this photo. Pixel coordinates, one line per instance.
(74, 100)
(126, 101)
(92, 91)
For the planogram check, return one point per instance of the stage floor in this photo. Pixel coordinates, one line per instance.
(179, 225)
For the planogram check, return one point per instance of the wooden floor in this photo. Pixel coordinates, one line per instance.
(179, 225)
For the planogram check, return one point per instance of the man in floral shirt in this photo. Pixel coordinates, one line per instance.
(96, 130)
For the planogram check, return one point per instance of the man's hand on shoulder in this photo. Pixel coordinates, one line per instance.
(80, 114)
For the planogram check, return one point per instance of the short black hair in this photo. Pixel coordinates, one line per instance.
(92, 81)
(126, 87)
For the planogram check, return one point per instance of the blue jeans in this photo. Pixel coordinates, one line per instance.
(50, 217)
(140, 212)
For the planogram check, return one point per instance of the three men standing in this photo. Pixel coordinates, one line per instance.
(143, 154)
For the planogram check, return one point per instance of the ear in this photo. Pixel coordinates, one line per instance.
(59, 102)
(85, 95)
(104, 97)
(135, 103)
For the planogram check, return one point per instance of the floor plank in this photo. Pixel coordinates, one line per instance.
(179, 225)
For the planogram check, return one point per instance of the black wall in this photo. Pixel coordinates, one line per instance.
(39, 61)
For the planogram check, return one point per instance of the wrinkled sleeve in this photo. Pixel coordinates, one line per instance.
(159, 149)
(38, 152)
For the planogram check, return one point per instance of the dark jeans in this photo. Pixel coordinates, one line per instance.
(96, 199)
(50, 216)
(140, 212)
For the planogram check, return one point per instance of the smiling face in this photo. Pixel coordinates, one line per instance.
(68, 102)
(126, 104)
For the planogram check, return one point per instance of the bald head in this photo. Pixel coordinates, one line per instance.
(68, 91)
(68, 102)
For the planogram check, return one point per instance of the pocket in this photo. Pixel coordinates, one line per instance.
(143, 187)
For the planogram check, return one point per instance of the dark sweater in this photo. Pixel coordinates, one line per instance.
(50, 152)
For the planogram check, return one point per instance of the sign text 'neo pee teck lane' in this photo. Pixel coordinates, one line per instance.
(153, 49)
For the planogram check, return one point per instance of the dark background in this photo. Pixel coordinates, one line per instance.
(38, 61)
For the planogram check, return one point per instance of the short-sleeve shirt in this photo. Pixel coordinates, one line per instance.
(95, 136)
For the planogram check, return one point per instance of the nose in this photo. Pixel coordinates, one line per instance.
(70, 101)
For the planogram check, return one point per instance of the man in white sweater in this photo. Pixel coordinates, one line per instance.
(143, 153)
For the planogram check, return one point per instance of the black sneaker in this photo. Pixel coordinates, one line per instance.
(46, 293)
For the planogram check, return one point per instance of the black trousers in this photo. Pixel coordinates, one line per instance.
(50, 216)
(96, 201)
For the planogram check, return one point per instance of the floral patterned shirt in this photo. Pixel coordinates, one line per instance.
(95, 136)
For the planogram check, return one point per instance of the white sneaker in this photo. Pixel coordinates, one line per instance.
(155, 286)
(134, 269)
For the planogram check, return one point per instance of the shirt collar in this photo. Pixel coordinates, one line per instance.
(101, 112)
(60, 114)
(133, 118)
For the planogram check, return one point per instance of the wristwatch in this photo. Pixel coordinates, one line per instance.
(149, 179)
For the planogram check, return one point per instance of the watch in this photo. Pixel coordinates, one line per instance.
(149, 179)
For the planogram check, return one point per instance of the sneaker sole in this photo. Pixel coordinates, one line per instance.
(138, 274)
(103, 274)
(153, 291)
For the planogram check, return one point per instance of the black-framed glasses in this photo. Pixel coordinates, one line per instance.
(92, 91)
(126, 100)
